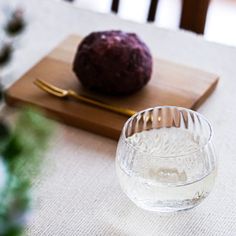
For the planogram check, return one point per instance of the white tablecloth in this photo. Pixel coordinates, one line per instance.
(77, 192)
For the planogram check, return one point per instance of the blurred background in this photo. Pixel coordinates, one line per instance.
(219, 22)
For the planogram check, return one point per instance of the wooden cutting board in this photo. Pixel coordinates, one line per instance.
(171, 84)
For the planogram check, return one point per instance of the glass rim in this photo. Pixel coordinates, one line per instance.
(201, 147)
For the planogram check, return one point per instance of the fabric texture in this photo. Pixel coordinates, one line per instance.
(77, 192)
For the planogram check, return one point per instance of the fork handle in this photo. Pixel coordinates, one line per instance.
(90, 101)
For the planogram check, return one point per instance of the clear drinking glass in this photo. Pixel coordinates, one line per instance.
(165, 159)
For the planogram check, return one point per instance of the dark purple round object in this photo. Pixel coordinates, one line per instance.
(113, 62)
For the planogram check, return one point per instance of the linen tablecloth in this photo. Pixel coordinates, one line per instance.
(77, 192)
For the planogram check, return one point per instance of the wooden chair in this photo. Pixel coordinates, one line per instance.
(193, 15)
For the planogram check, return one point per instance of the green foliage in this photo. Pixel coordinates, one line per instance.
(16, 23)
(1, 92)
(15, 202)
(5, 54)
(21, 148)
(4, 136)
(28, 140)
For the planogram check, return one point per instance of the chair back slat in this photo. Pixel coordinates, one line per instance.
(115, 6)
(152, 10)
(193, 15)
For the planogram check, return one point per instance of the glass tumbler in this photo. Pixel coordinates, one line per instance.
(165, 159)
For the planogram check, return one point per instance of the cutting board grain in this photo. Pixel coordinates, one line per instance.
(171, 84)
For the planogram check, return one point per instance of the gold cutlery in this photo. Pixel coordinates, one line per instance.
(63, 93)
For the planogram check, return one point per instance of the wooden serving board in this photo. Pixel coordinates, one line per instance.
(171, 84)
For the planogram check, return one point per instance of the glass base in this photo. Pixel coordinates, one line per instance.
(167, 207)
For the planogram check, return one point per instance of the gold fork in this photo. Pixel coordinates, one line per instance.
(47, 87)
